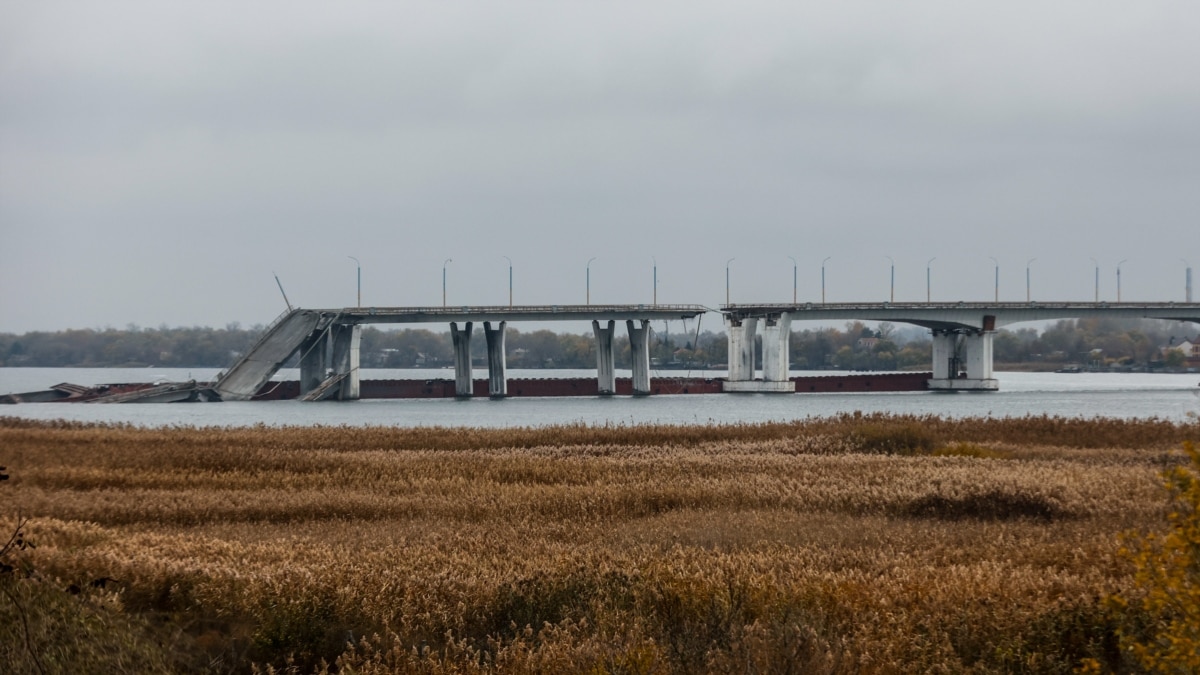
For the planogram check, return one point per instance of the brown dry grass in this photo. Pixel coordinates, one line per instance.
(849, 544)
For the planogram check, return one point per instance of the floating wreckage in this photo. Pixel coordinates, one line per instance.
(141, 392)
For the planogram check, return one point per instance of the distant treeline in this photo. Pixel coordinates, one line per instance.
(855, 346)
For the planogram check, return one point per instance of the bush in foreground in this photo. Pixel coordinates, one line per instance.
(1162, 610)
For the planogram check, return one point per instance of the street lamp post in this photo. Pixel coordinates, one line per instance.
(448, 261)
(823, 278)
(1028, 294)
(893, 292)
(509, 279)
(589, 280)
(655, 296)
(1119, 279)
(1187, 287)
(359, 266)
(928, 285)
(996, 263)
(793, 279)
(727, 279)
(289, 304)
(1097, 265)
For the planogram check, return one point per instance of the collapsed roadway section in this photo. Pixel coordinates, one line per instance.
(327, 341)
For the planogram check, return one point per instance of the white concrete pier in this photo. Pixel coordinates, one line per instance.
(962, 361)
(344, 358)
(497, 380)
(463, 384)
(946, 362)
(776, 346)
(606, 375)
(741, 348)
(639, 349)
(776, 349)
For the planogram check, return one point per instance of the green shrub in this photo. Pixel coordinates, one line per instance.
(1161, 612)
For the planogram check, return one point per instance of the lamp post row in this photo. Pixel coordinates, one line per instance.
(795, 279)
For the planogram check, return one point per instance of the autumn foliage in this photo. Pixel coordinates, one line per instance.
(859, 543)
(1162, 608)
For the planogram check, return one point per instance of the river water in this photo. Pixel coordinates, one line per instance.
(1169, 396)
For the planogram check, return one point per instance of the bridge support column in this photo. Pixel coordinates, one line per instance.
(463, 385)
(345, 347)
(606, 376)
(776, 349)
(741, 348)
(639, 348)
(945, 355)
(497, 381)
(776, 336)
(952, 352)
(314, 360)
(979, 360)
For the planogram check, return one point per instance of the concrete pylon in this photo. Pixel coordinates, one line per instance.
(979, 357)
(463, 385)
(314, 360)
(345, 359)
(497, 381)
(776, 339)
(606, 375)
(946, 364)
(954, 353)
(741, 348)
(639, 348)
(776, 349)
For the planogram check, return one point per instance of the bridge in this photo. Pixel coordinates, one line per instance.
(328, 343)
(328, 339)
(962, 333)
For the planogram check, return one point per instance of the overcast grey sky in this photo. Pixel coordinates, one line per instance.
(158, 161)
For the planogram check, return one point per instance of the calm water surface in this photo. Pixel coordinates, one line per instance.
(1075, 395)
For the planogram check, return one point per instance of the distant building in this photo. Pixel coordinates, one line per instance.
(1189, 348)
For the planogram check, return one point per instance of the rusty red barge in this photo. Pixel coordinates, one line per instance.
(169, 392)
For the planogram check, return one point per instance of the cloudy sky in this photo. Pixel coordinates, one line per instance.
(159, 161)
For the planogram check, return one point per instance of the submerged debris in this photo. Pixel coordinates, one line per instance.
(140, 392)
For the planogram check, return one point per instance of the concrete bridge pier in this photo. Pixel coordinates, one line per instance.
(741, 348)
(946, 362)
(776, 355)
(776, 339)
(979, 361)
(962, 361)
(606, 376)
(639, 347)
(314, 360)
(345, 342)
(463, 385)
(497, 381)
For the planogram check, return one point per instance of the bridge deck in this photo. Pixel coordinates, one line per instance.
(969, 315)
(364, 315)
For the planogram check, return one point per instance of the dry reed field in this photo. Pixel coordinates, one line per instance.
(855, 544)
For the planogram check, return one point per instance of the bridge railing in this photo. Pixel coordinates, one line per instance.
(1033, 304)
(525, 309)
